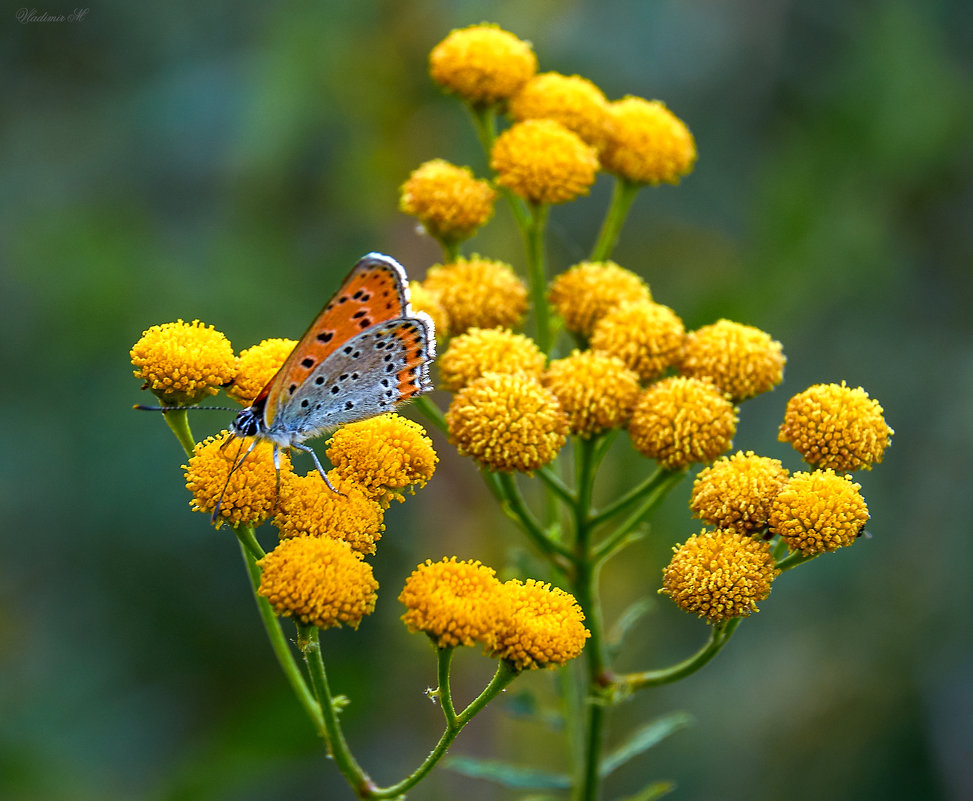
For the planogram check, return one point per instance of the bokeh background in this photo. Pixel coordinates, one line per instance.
(230, 161)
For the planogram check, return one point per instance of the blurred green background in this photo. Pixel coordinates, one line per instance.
(230, 161)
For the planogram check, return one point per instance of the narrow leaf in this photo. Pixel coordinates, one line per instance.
(643, 739)
(632, 614)
(652, 791)
(508, 775)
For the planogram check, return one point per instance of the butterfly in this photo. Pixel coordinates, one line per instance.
(366, 352)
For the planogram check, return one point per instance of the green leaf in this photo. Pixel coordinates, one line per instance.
(632, 614)
(643, 739)
(652, 791)
(508, 775)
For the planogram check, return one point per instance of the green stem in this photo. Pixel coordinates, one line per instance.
(278, 642)
(248, 539)
(514, 502)
(537, 274)
(178, 421)
(444, 662)
(504, 675)
(794, 559)
(432, 412)
(450, 250)
(719, 636)
(556, 485)
(485, 122)
(652, 494)
(630, 497)
(623, 194)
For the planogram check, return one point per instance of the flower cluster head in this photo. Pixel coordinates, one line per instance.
(244, 488)
(478, 293)
(647, 143)
(571, 100)
(307, 507)
(487, 350)
(680, 421)
(383, 456)
(741, 360)
(586, 292)
(256, 366)
(482, 64)
(507, 422)
(818, 511)
(646, 336)
(448, 200)
(544, 162)
(319, 580)
(597, 392)
(183, 362)
(736, 492)
(719, 575)
(835, 426)
(529, 624)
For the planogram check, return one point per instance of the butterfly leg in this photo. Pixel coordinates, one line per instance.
(317, 464)
(236, 464)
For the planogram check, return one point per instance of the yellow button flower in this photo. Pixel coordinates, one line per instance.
(596, 392)
(183, 362)
(586, 292)
(256, 366)
(383, 456)
(539, 625)
(737, 491)
(318, 580)
(646, 336)
(482, 63)
(647, 143)
(544, 162)
(833, 425)
(719, 575)
(487, 350)
(250, 493)
(453, 602)
(680, 421)
(507, 422)
(307, 507)
(478, 293)
(423, 299)
(818, 512)
(741, 360)
(573, 101)
(448, 200)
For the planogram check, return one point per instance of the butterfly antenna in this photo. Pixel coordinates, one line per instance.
(317, 464)
(236, 465)
(164, 409)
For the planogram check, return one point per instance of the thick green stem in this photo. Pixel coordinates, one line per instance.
(278, 642)
(485, 122)
(623, 194)
(720, 634)
(178, 421)
(554, 483)
(432, 412)
(794, 559)
(514, 503)
(537, 274)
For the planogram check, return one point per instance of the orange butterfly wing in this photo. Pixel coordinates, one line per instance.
(373, 292)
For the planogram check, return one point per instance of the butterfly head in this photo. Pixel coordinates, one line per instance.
(248, 422)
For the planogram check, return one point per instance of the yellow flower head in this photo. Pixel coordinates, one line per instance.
(482, 63)
(507, 422)
(818, 512)
(478, 293)
(251, 492)
(646, 336)
(538, 626)
(453, 602)
(319, 580)
(544, 162)
(426, 300)
(182, 362)
(737, 491)
(596, 392)
(256, 366)
(647, 143)
(586, 292)
(383, 455)
(741, 360)
(719, 575)
(573, 101)
(448, 200)
(833, 425)
(679, 421)
(487, 350)
(308, 508)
